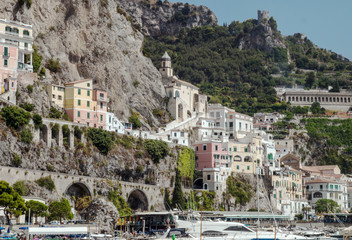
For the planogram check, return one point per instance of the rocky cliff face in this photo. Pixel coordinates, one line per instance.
(91, 39)
(262, 37)
(158, 18)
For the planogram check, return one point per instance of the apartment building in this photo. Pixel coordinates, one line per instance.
(56, 94)
(210, 154)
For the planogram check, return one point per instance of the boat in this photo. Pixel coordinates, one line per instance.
(207, 229)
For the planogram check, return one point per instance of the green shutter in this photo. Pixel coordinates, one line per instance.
(79, 91)
(78, 113)
(88, 92)
(88, 103)
(79, 102)
(88, 115)
(5, 62)
(6, 51)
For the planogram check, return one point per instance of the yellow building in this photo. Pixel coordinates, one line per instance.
(56, 94)
(245, 156)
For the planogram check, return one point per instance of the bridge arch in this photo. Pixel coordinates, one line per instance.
(198, 183)
(78, 190)
(137, 199)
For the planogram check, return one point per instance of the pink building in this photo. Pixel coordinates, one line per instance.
(211, 155)
(8, 71)
(101, 97)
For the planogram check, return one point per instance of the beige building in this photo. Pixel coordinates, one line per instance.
(335, 101)
(287, 191)
(56, 94)
(214, 179)
(245, 155)
(185, 101)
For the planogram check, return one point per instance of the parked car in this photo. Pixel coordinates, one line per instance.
(55, 222)
(81, 222)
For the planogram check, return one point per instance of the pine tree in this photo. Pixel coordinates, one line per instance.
(177, 196)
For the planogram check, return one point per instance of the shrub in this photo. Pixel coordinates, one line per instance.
(55, 130)
(16, 160)
(42, 72)
(27, 106)
(38, 121)
(101, 139)
(50, 168)
(21, 187)
(53, 65)
(30, 88)
(54, 113)
(46, 182)
(157, 149)
(139, 169)
(15, 117)
(134, 119)
(26, 135)
(77, 132)
(37, 59)
(135, 83)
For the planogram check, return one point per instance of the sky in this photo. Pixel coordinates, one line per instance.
(327, 23)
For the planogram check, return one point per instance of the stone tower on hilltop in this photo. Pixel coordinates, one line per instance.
(166, 69)
(263, 14)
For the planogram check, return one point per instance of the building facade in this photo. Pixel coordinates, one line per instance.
(211, 155)
(56, 94)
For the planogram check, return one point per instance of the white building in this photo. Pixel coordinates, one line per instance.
(184, 99)
(236, 124)
(114, 124)
(214, 179)
(327, 188)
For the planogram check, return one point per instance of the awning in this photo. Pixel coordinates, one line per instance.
(57, 230)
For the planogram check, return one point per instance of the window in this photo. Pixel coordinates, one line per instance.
(237, 229)
(88, 92)
(78, 114)
(79, 91)
(238, 167)
(59, 97)
(235, 149)
(26, 45)
(79, 102)
(101, 105)
(8, 29)
(208, 177)
(102, 95)
(109, 119)
(5, 63)
(6, 51)
(274, 195)
(280, 194)
(248, 167)
(101, 118)
(88, 85)
(245, 149)
(216, 147)
(204, 147)
(26, 32)
(15, 30)
(197, 149)
(318, 195)
(88, 104)
(177, 94)
(54, 96)
(88, 115)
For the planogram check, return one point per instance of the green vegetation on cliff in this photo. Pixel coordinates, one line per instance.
(210, 58)
(330, 141)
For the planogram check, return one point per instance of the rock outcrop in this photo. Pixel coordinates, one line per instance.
(103, 212)
(91, 39)
(157, 18)
(262, 37)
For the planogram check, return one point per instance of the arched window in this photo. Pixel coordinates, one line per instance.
(237, 159)
(247, 159)
(205, 186)
(177, 94)
(8, 29)
(277, 183)
(317, 195)
(26, 32)
(170, 94)
(15, 30)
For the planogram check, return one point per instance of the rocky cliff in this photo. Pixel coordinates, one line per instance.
(157, 18)
(92, 39)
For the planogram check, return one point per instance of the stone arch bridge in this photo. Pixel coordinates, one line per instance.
(139, 196)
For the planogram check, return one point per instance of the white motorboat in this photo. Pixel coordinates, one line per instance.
(229, 230)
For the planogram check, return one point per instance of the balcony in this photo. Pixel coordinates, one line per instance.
(11, 33)
(104, 99)
(28, 37)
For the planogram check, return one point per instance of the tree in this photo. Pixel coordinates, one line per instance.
(134, 119)
(119, 202)
(54, 113)
(11, 201)
(59, 210)
(157, 149)
(326, 206)
(101, 139)
(38, 121)
(178, 199)
(15, 117)
(316, 109)
(310, 79)
(37, 209)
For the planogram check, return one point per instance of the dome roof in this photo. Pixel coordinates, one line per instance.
(166, 56)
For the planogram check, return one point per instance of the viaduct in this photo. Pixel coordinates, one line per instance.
(139, 196)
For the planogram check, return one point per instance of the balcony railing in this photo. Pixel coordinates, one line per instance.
(11, 33)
